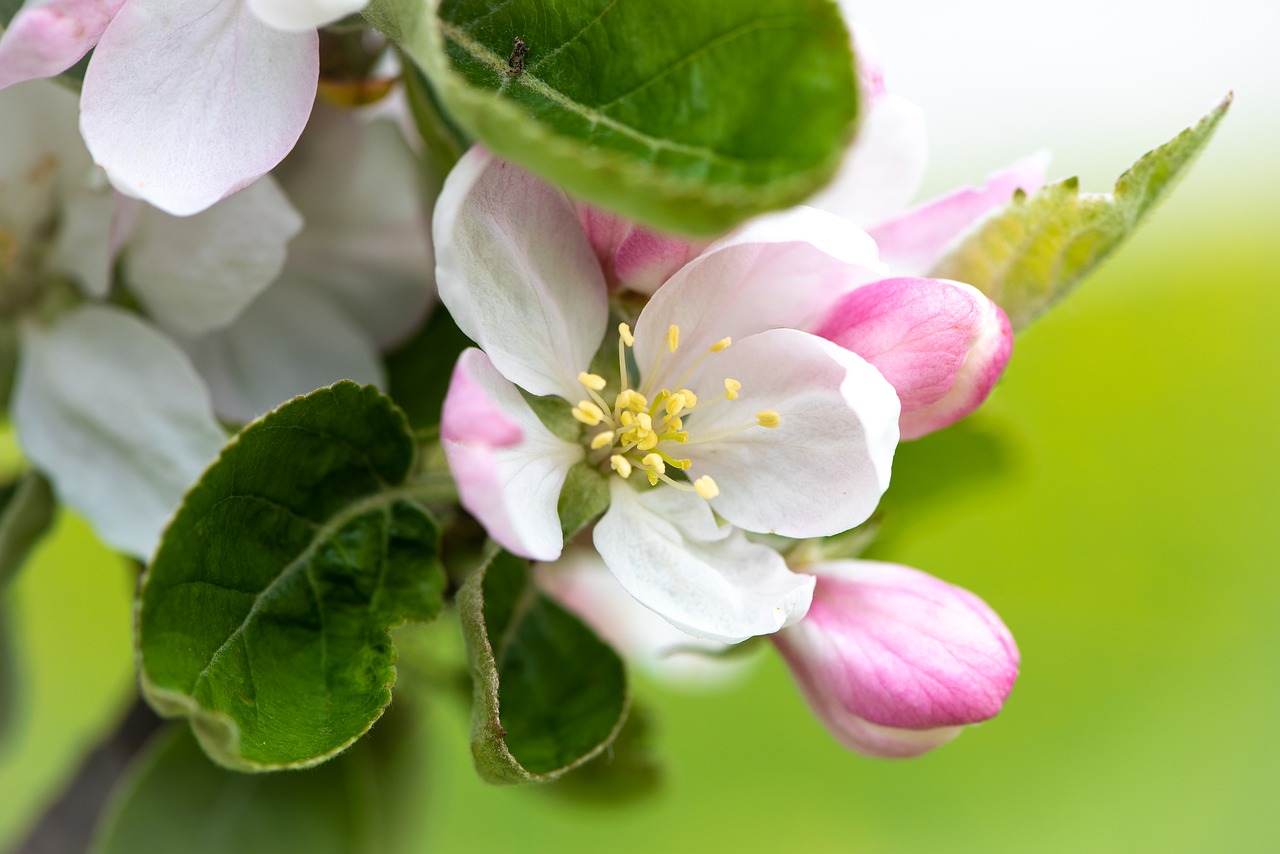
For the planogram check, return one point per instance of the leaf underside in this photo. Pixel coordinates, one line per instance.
(548, 694)
(1035, 250)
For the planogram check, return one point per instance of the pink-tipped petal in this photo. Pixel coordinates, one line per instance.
(893, 660)
(508, 467)
(185, 103)
(518, 275)
(632, 256)
(913, 242)
(941, 345)
(46, 37)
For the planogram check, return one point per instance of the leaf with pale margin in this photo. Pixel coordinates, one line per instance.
(364, 802)
(548, 695)
(628, 771)
(265, 615)
(26, 512)
(584, 496)
(688, 115)
(1032, 252)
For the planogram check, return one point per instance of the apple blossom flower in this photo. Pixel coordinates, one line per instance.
(184, 101)
(895, 662)
(718, 408)
(106, 402)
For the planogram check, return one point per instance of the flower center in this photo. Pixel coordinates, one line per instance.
(643, 429)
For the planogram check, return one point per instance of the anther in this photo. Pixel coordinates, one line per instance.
(588, 413)
(602, 440)
(654, 461)
(621, 465)
(624, 332)
(731, 389)
(673, 338)
(706, 487)
(722, 344)
(675, 405)
(768, 418)
(595, 382)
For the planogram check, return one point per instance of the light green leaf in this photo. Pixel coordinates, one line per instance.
(548, 695)
(1039, 247)
(265, 615)
(9, 683)
(688, 115)
(26, 511)
(364, 802)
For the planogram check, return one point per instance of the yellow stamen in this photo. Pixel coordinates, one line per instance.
(673, 338)
(588, 413)
(731, 389)
(595, 382)
(722, 344)
(690, 399)
(768, 418)
(675, 405)
(654, 461)
(602, 440)
(621, 465)
(706, 487)
(624, 332)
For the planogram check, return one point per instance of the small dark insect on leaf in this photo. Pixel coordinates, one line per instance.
(518, 52)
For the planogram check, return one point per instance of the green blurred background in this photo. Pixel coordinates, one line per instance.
(1114, 501)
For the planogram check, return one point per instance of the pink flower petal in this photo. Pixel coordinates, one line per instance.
(186, 103)
(632, 256)
(47, 37)
(942, 345)
(912, 242)
(508, 467)
(891, 658)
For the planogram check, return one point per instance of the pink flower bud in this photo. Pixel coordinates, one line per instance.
(633, 257)
(894, 661)
(941, 345)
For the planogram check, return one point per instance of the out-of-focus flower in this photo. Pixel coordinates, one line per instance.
(358, 279)
(895, 662)
(718, 404)
(184, 101)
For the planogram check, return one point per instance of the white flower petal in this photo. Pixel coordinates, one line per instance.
(297, 15)
(884, 167)
(509, 468)
(116, 416)
(781, 270)
(824, 468)
(195, 274)
(515, 270)
(665, 549)
(290, 341)
(46, 37)
(83, 248)
(367, 240)
(187, 101)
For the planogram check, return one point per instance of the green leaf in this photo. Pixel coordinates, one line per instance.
(364, 802)
(1038, 248)
(26, 511)
(8, 8)
(548, 695)
(265, 615)
(688, 115)
(584, 496)
(9, 682)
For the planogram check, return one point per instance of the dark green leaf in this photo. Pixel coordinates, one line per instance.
(8, 8)
(418, 372)
(1039, 247)
(265, 615)
(364, 802)
(26, 511)
(585, 496)
(688, 115)
(548, 694)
